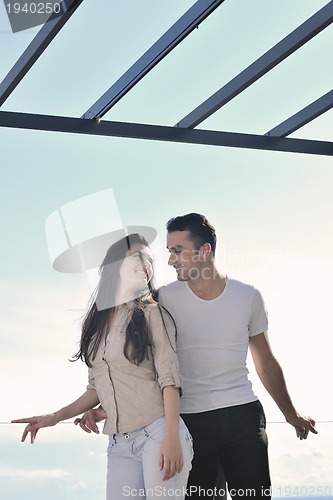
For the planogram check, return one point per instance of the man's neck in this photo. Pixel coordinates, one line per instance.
(210, 287)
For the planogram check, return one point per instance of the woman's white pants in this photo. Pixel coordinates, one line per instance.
(133, 464)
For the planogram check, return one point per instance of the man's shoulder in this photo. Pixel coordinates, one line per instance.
(170, 289)
(239, 283)
(241, 286)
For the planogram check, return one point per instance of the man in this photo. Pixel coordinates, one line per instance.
(217, 320)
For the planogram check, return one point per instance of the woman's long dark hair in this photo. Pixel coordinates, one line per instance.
(102, 307)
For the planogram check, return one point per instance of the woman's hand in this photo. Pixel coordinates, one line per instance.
(171, 458)
(87, 400)
(34, 424)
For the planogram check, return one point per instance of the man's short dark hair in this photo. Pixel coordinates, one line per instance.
(201, 231)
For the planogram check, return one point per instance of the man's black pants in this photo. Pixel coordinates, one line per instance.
(234, 438)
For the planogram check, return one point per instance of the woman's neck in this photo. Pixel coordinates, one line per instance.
(125, 296)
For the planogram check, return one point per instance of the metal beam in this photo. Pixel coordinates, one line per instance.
(162, 133)
(41, 41)
(304, 116)
(171, 38)
(283, 49)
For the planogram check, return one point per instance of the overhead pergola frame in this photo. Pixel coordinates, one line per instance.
(184, 131)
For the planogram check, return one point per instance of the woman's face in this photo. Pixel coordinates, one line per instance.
(136, 269)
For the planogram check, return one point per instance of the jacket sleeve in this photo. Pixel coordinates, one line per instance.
(165, 358)
(91, 380)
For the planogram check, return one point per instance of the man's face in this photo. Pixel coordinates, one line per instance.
(184, 257)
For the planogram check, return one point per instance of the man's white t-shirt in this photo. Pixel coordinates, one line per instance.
(212, 343)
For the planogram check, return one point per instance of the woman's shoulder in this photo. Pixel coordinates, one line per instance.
(156, 313)
(152, 309)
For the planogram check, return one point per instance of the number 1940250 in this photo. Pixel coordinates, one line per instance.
(34, 8)
(304, 491)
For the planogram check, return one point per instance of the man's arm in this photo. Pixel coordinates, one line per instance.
(90, 418)
(271, 375)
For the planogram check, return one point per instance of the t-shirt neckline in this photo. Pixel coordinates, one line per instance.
(209, 300)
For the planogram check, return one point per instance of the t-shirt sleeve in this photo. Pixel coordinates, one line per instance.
(259, 320)
(164, 348)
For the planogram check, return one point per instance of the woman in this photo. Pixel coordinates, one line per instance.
(128, 344)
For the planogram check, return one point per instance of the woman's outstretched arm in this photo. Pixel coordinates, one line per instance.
(88, 400)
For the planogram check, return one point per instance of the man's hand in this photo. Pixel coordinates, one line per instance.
(303, 425)
(88, 420)
(34, 424)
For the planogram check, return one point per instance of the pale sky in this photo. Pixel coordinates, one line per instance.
(273, 214)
